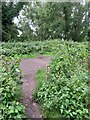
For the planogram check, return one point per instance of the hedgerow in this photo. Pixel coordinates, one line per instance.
(10, 49)
(10, 91)
(65, 90)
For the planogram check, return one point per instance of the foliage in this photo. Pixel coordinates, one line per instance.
(45, 20)
(42, 20)
(65, 90)
(10, 49)
(52, 20)
(52, 46)
(10, 106)
(71, 57)
(40, 76)
(9, 11)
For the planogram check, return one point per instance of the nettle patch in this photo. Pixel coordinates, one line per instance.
(10, 86)
(12, 49)
(65, 90)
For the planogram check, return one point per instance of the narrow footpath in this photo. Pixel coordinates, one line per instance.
(29, 68)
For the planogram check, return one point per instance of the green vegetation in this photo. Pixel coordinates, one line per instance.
(38, 47)
(46, 28)
(10, 91)
(41, 77)
(9, 11)
(65, 91)
(45, 20)
(12, 49)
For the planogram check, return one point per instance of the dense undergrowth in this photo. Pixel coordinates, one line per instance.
(64, 94)
(22, 48)
(10, 90)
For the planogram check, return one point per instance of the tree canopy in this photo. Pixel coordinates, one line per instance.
(9, 11)
(47, 20)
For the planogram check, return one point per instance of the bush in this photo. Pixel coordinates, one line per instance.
(10, 49)
(10, 106)
(65, 90)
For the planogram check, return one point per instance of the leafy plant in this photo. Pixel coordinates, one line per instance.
(10, 106)
(52, 46)
(65, 90)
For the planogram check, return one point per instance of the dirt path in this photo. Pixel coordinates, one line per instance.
(29, 68)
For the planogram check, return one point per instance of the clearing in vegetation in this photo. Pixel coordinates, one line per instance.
(35, 35)
(64, 94)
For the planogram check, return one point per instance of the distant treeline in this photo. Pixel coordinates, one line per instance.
(45, 20)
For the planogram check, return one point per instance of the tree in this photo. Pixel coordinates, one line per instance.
(79, 22)
(9, 11)
(52, 20)
(45, 18)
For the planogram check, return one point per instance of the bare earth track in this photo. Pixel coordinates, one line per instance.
(29, 68)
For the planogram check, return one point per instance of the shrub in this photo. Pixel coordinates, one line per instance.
(10, 106)
(65, 90)
(10, 49)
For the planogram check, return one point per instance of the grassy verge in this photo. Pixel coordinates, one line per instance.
(41, 78)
